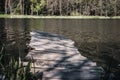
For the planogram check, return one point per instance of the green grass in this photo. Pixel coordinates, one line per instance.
(59, 17)
(4, 16)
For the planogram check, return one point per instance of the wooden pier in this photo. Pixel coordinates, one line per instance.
(58, 59)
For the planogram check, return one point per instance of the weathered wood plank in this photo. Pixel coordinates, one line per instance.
(59, 59)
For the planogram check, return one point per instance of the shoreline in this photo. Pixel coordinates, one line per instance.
(57, 17)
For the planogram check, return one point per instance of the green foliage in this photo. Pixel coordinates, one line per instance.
(37, 5)
(14, 69)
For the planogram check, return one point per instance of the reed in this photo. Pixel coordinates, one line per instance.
(14, 69)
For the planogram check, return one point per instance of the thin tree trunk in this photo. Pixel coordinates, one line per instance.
(60, 7)
(101, 7)
(106, 11)
(37, 12)
(115, 8)
(6, 6)
(10, 6)
(47, 6)
(76, 10)
(31, 9)
(86, 8)
(53, 8)
(80, 8)
(23, 7)
(67, 11)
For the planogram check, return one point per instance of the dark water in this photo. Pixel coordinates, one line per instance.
(14, 34)
(99, 40)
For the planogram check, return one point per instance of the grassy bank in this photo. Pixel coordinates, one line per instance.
(60, 17)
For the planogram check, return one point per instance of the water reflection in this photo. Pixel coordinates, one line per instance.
(99, 40)
(2, 33)
(14, 33)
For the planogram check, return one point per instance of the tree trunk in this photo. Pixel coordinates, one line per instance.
(23, 5)
(31, 9)
(6, 6)
(106, 9)
(115, 8)
(37, 12)
(60, 7)
(47, 6)
(80, 8)
(100, 7)
(10, 6)
(53, 8)
(67, 11)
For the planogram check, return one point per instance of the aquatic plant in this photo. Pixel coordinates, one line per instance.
(14, 69)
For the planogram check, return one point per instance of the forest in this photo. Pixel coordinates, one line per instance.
(61, 7)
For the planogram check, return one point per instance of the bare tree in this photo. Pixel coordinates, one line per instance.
(115, 7)
(7, 6)
(63, 7)
(101, 9)
(60, 7)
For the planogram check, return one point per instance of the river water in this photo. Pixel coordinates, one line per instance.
(97, 39)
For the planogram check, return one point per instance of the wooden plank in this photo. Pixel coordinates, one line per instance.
(59, 59)
(74, 75)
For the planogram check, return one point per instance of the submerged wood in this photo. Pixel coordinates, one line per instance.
(58, 58)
